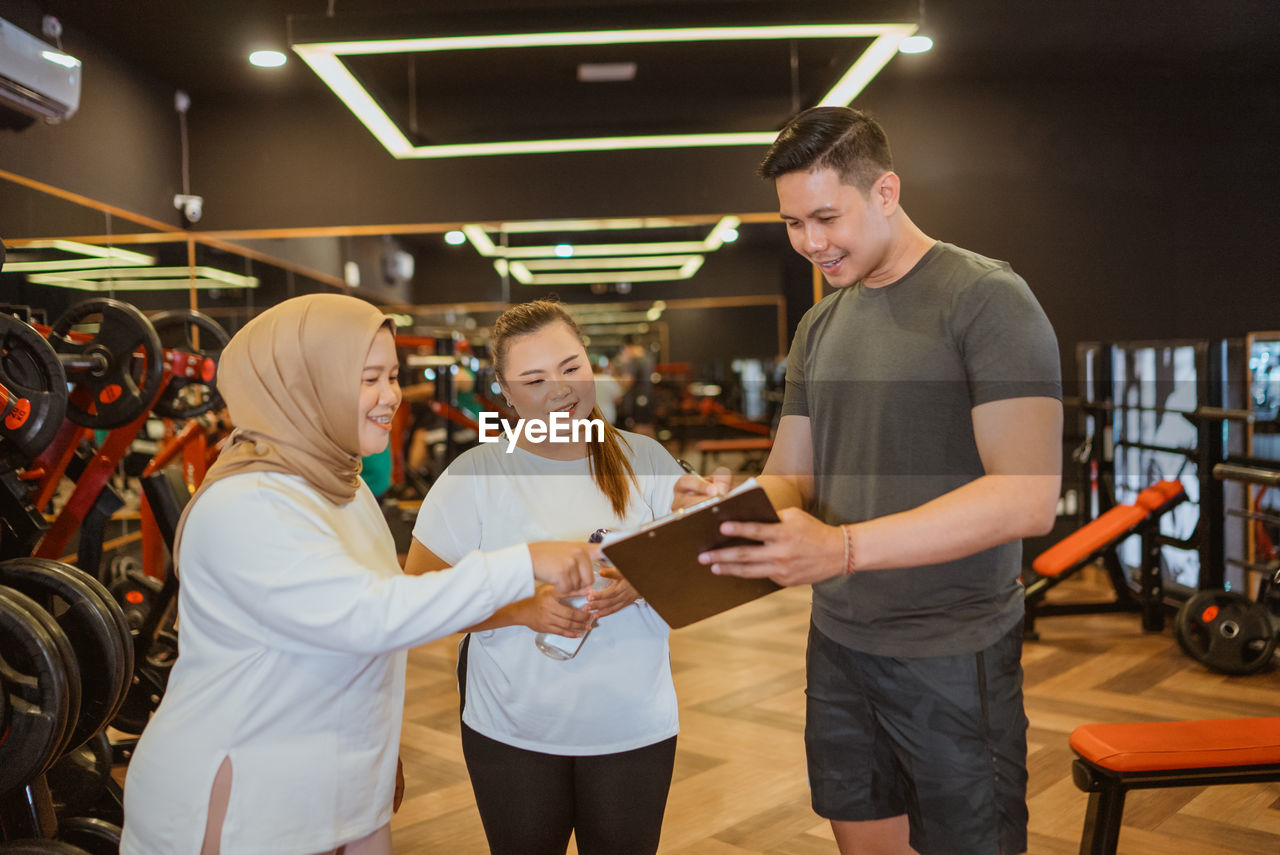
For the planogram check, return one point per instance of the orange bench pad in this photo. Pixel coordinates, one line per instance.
(1169, 745)
(1159, 494)
(1088, 539)
(1118, 521)
(734, 445)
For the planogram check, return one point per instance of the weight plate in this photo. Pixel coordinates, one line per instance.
(33, 677)
(1226, 631)
(29, 372)
(95, 836)
(128, 380)
(69, 595)
(192, 389)
(111, 608)
(70, 664)
(79, 778)
(135, 594)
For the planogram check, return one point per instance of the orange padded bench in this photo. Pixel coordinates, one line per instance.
(1095, 539)
(715, 447)
(1116, 758)
(1077, 548)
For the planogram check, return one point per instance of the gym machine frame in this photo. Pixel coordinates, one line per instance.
(1099, 464)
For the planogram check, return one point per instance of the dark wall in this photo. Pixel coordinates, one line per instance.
(698, 337)
(122, 146)
(1136, 206)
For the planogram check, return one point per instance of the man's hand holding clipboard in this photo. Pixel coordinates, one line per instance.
(661, 558)
(799, 552)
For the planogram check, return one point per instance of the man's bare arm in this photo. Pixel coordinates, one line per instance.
(788, 473)
(1020, 443)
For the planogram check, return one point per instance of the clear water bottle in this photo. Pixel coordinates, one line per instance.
(560, 647)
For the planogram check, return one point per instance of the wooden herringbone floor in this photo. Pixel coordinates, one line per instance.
(740, 785)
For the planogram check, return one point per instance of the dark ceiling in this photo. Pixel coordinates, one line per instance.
(201, 46)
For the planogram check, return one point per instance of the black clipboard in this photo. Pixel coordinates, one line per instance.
(661, 558)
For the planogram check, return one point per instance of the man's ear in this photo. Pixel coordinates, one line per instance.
(885, 192)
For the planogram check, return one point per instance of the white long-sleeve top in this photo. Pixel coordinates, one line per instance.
(293, 619)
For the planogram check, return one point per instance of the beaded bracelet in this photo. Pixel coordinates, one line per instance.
(848, 548)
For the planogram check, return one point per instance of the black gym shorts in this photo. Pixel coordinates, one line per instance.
(942, 739)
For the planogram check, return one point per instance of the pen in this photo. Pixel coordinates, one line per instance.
(684, 464)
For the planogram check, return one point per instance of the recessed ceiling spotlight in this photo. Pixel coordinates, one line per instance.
(606, 72)
(564, 250)
(915, 44)
(267, 58)
(454, 237)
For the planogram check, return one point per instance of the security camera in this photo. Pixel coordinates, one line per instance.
(192, 207)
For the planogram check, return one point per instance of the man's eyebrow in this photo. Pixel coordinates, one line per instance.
(785, 216)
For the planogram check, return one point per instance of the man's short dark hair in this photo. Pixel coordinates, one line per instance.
(840, 138)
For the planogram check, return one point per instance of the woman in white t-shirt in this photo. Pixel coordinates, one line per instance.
(279, 729)
(584, 745)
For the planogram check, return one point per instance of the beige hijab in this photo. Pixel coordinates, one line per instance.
(291, 380)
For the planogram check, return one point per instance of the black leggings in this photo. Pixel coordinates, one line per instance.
(529, 802)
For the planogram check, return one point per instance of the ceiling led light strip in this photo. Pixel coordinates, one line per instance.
(632, 223)
(525, 276)
(653, 261)
(91, 256)
(324, 58)
(484, 245)
(612, 263)
(604, 250)
(430, 44)
(145, 279)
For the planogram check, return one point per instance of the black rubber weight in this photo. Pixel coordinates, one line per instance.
(33, 676)
(69, 596)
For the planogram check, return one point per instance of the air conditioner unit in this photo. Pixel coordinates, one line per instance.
(36, 78)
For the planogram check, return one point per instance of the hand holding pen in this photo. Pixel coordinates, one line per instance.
(693, 488)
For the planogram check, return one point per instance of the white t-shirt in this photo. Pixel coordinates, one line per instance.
(617, 694)
(293, 617)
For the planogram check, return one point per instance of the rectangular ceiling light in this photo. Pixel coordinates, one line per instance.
(144, 279)
(479, 237)
(84, 256)
(611, 263)
(326, 60)
(522, 274)
(592, 263)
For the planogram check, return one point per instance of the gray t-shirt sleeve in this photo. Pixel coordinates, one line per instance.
(1007, 344)
(794, 402)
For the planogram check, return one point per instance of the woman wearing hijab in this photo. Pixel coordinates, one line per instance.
(279, 729)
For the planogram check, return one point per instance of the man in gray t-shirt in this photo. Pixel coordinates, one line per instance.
(920, 440)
